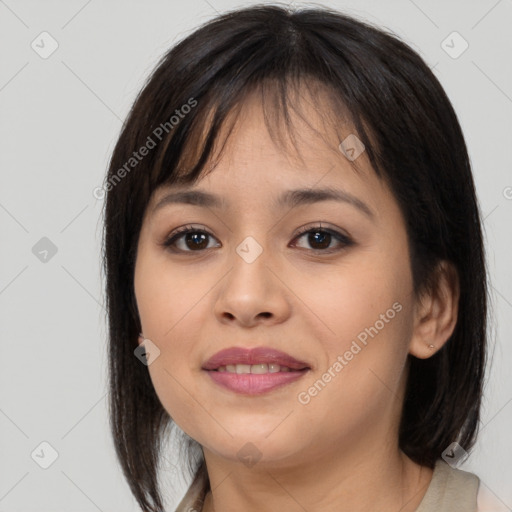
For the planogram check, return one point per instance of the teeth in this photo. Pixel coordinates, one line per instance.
(274, 368)
(254, 368)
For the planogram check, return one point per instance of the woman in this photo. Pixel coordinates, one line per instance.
(295, 272)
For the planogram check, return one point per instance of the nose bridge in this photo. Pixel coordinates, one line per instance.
(254, 231)
(249, 249)
(249, 274)
(251, 290)
(250, 229)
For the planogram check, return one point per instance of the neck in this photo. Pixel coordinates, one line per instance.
(377, 479)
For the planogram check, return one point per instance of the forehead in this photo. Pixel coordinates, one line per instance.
(258, 147)
(293, 115)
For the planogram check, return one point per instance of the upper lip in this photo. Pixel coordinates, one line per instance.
(258, 355)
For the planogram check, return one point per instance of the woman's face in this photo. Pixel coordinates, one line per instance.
(340, 301)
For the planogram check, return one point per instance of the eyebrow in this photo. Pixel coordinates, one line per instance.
(290, 199)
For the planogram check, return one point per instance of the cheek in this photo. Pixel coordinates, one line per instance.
(366, 324)
(359, 384)
(368, 295)
(163, 293)
(172, 313)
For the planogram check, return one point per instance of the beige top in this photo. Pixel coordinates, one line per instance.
(450, 490)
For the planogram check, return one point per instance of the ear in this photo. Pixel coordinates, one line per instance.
(436, 312)
(141, 338)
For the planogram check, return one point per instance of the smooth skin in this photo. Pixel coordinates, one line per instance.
(307, 296)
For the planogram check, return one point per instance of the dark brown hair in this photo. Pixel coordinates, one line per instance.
(413, 140)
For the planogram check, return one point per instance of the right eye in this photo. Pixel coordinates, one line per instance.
(191, 240)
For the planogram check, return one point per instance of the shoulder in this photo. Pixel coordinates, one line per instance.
(450, 490)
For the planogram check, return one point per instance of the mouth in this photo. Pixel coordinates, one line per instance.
(254, 371)
(256, 360)
(257, 369)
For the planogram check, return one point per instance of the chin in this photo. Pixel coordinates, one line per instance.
(255, 448)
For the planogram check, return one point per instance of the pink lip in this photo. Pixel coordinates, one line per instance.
(237, 355)
(254, 384)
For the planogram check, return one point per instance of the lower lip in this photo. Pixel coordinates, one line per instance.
(254, 383)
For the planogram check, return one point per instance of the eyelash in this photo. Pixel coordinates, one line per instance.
(340, 237)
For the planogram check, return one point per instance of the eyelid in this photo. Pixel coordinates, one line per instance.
(173, 235)
(340, 235)
(321, 226)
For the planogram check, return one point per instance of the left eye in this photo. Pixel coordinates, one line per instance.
(323, 238)
(196, 240)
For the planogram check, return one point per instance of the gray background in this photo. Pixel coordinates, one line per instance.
(60, 117)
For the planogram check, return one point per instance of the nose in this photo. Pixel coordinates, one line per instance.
(252, 293)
